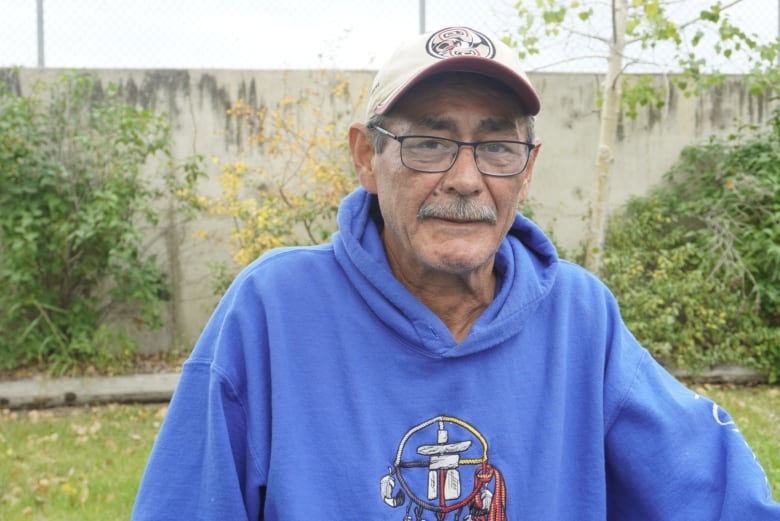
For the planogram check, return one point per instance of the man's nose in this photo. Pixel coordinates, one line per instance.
(463, 176)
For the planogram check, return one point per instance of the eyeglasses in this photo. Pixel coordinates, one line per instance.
(432, 154)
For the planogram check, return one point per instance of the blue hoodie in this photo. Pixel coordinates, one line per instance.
(322, 389)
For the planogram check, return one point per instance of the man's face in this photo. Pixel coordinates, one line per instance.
(466, 108)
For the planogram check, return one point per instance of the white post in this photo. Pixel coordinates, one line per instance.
(41, 61)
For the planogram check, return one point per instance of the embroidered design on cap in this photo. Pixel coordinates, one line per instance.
(460, 41)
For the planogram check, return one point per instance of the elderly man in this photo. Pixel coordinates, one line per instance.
(437, 360)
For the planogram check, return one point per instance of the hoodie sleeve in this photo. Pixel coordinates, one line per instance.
(204, 464)
(675, 455)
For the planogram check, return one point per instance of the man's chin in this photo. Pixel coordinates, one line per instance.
(460, 261)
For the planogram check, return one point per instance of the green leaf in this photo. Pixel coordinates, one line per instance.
(74, 199)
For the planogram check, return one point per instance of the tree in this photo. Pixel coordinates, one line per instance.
(635, 30)
(294, 170)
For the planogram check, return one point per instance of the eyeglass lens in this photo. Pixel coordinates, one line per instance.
(430, 154)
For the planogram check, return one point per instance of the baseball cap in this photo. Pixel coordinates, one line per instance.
(452, 49)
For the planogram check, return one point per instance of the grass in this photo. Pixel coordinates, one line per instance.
(85, 463)
(74, 464)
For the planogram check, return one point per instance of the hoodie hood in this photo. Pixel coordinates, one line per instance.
(526, 264)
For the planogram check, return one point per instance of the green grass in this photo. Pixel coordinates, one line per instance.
(85, 463)
(74, 464)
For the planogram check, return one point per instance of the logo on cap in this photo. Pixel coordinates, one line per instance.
(460, 41)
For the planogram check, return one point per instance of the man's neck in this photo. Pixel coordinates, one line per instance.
(457, 300)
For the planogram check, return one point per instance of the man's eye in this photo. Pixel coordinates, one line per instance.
(430, 144)
(497, 147)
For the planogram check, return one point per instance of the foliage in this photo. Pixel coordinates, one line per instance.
(635, 30)
(288, 193)
(694, 45)
(696, 263)
(75, 208)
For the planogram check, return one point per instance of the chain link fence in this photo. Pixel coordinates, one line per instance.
(284, 34)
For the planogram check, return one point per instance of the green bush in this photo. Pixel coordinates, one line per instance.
(75, 208)
(695, 264)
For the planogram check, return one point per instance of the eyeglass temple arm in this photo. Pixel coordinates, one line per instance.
(383, 131)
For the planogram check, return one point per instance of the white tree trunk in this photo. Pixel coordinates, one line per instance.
(610, 111)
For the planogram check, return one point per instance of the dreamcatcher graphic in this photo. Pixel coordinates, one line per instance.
(427, 476)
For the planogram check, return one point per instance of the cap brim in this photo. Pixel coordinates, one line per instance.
(484, 66)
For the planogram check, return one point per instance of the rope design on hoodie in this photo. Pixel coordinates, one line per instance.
(482, 477)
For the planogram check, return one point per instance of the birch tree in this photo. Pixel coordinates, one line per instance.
(629, 35)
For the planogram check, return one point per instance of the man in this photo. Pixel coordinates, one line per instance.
(437, 360)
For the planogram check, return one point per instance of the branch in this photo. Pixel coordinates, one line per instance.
(637, 61)
(684, 25)
(723, 8)
(567, 60)
(592, 36)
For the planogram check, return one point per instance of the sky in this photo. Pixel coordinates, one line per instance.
(275, 34)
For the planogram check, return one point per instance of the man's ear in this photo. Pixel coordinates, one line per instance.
(362, 148)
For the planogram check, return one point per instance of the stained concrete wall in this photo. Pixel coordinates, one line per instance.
(197, 102)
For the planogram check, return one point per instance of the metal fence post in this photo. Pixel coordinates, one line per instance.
(41, 61)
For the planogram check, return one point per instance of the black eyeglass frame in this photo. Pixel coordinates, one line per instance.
(472, 144)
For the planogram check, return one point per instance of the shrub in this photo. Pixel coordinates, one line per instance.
(288, 191)
(695, 264)
(74, 210)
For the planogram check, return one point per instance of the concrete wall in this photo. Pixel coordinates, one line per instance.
(197, 101)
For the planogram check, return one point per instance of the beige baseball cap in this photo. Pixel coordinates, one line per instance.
(452, 49)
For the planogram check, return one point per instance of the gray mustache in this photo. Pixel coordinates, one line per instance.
(460, 209)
